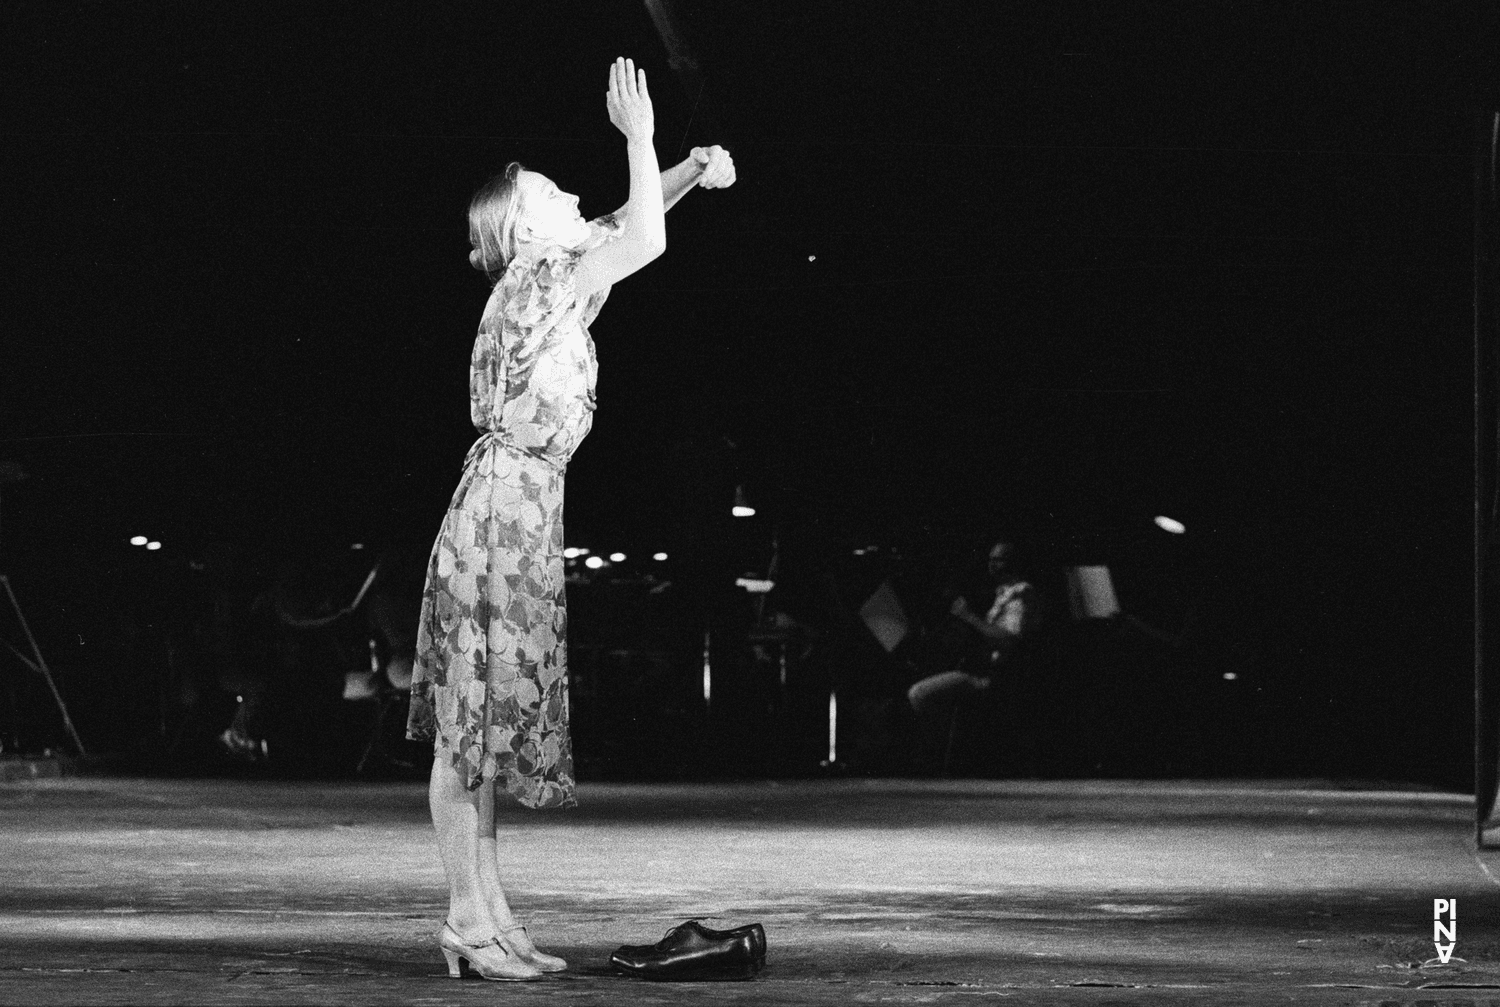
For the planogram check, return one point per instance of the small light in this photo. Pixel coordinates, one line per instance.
(138, 540)
(812, 258)
(1230, 676)
(755, 585)
(152, 546)
(572, 552)
(744, 511)
(617, 557)
(660, 557)
(357, 545)
(594, 562)
(742, 506)
(859, 552)
(1168, 525)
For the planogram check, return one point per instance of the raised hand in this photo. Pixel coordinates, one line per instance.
(717, 167)
(629, 103)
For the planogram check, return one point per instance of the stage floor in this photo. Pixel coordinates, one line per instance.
(901, 892)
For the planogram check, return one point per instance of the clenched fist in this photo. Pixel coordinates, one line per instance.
(717, 167)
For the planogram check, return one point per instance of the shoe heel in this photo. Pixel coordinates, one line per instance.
(455, 964)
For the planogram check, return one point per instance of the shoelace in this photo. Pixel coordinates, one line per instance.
(666, 938)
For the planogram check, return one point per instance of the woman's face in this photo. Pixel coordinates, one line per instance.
(548, 215)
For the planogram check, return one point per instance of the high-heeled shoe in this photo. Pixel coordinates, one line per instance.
(528, 952)
(492, 959)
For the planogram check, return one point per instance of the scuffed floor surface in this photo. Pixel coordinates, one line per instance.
(117, 891)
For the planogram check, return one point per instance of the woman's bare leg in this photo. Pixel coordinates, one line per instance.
(462, 818)
(489, 877)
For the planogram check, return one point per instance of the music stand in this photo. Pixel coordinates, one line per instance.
(10, 472)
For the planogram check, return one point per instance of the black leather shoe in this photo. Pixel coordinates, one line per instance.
(754, 931)
(692, 951)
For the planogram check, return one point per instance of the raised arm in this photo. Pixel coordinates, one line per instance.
(678, 179)
(645, 235)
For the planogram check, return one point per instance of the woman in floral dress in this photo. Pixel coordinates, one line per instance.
(490, 683)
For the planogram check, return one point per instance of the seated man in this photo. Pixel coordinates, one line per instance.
(1010, 618)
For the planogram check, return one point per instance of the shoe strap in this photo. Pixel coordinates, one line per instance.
(476, 947)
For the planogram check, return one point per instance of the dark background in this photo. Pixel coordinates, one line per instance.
(1054, 268)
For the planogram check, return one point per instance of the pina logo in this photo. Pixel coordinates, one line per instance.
(1444, 931)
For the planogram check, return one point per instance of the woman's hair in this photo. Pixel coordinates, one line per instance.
(493, 213)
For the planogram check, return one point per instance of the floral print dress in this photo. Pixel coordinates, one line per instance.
(490, 682)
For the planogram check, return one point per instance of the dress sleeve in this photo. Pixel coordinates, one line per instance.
(542, 294)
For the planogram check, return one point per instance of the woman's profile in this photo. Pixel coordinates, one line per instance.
(490, 678)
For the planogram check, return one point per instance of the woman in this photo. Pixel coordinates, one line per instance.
(490, 683)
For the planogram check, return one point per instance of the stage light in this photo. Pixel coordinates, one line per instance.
(617, 557)
(357, 545)
(755, 585)
(742, 506)
(812, 258)
(153, 546)
(594, 562)
(573, 552)
(660, 557)
(1230, 676)
(138, 540)
(1168, 525)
